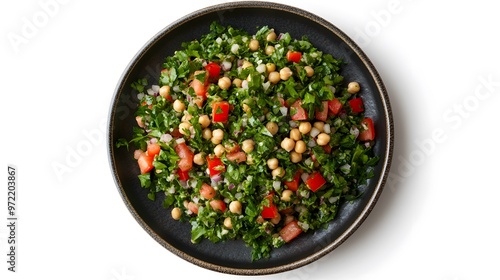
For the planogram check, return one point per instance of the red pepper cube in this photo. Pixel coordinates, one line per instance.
(315, 181)
(220, 111)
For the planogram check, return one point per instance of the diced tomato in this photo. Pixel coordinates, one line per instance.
(334, 106)
(368, 132)
(153, 149)
(322, 113)
(271, 211)
(327, 148)
(315, 181)
(183, 175)
(218, 205)
(298, 113)
(186, 156)
(215, 166)
(207, 191)
(237, 156)
(293, 56)
(294, 184)
(176, 133)
(213, 70)
(290, 231)
(356, 105)
(193, 207)
(145, 162)
(199, 88)
(220, 111)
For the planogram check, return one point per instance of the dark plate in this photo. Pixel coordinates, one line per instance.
(234, 257)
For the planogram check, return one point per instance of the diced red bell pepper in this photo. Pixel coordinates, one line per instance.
(315, 181)
(356, 105)
(294, 184)
(368, 130)
(294, 56)
(220, 111)
(290, 231)
(334, 106)
(322, 113)
(298, 113)
(183, 175)
(215, 166)
(186, 157)
(213, 70)
(271, 211)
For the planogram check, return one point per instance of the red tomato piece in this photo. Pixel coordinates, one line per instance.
(356, 105)
(213, 70)
(237, 156)
(334, 106)
(220, 111)
(315, 181)
(293, 56)
(290, 231)
(297, 112)
(145, 162)
(218, 205)
(193, 207)
(368, 132)
(215, 166)
(186, 156)
(322, 113)
(207, 191)
(183, 175)
(271, 211)
(153, 149)
(294, 184)
(199, 88)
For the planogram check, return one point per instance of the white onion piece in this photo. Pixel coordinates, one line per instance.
(314, 132)
(311, 143)
(226, 65)
(150, 91)
(284, 111)
(304, 176)
(140, 95)
(166, 138)
(293, 124)
(244, 84)
(354, 131)
(234, 48)
(277, 185)
(333, 199)
(180, 141)
(155, 88)
(326, 128)
(218, 40)
(261, 68)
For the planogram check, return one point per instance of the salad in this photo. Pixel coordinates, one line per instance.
(253, 137)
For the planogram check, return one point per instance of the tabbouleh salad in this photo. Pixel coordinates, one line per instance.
(253, 137)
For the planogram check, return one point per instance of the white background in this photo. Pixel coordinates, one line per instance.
(438, 218)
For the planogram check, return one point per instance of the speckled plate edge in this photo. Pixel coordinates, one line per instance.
(385, 162)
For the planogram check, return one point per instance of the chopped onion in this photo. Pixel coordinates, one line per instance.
(354, 131)
(293, 124)
(311, 143)
(346, 168)
(140, 95)
(150, 91)
(284, 111)
(234, 48)
(230, 187)
(166, 138)
(261, 68)
(266, 85)
(218, 40)
(244, 84)
(326, 128)
(153, 140)
(155, 88)
(171, 190)
(216, 178)
(277, 185)
(314, 132)
(304, 176)
(226, 65)
(333, 199)
(304, 226)
(196, 199)
(238, 195)
(332, 88)
(176, 89)
(180, 140)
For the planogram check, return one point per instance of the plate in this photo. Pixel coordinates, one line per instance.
(236, 256)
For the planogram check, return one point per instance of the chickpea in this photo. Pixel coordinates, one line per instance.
(253, 45)
(248, 145)
(286, 195)
(323, 139)
(228, 223)
(207, 134)
(320, 126)
(295, 134)
(250, 159)
(269, 50)
(215, 141)
(304, 127)
(246, 108)
(295, 157)
(288, 144)
(219, 150)
(271, 36)
(272, 127)
(309, 71)
(237, 82)
(199, 158)
(270, 67)
(164, 91)
(278, 172)
(176, 213)
(179, 106)
(224, 83)
(276, 220)
(231, 146)
(272, 163)
(353, 87)
(186, 117)
(246, 64)
(235, 207)
(204, 121)
(285, 73)
(184, 128)
(274, 77)
(218, 134)
(300, 147)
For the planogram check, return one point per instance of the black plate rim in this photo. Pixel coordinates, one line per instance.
(385, 161)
